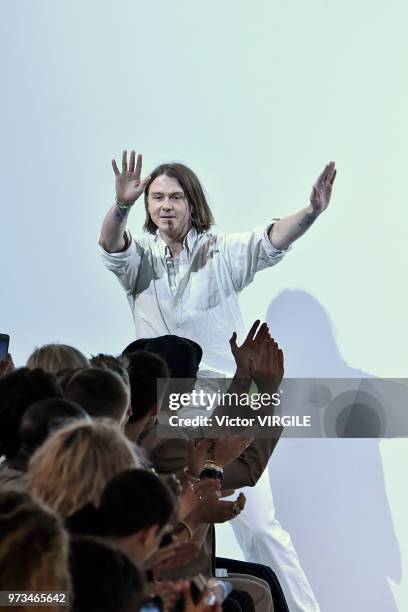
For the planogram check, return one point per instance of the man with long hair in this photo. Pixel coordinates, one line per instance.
(183, 279)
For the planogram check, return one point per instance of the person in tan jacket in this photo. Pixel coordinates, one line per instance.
(243, 458)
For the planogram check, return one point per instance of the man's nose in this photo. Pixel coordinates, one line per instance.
(167, 204)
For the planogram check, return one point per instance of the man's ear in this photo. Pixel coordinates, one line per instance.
(129, 410)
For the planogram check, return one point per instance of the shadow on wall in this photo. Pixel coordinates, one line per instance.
(330, 493)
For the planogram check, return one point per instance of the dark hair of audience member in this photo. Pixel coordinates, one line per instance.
(18, 390)
(34, 546)
(74, 464)
(104, 579)
(131, 501)
(39, 421)
(56, 357)
(102, 393)
(109, 362)
(144, 369)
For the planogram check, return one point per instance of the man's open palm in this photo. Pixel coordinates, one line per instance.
(322, 189)
(129, 185)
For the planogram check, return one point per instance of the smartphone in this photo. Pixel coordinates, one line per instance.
(4, 345)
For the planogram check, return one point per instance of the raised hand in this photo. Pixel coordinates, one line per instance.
(322, 189)
(268, 369)
(129, 185)
(251, 346)
(213, 510)
(193, 494)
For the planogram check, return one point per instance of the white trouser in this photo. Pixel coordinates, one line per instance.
(263, 540)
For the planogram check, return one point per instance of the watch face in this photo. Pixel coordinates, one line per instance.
(213, 472)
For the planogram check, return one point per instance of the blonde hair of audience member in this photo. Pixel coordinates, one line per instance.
(56, 357)
(34, 547)
(75, 463)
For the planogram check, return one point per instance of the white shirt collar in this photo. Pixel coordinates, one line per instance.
(188, 242)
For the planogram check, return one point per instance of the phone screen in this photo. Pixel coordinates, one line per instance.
(4, 345)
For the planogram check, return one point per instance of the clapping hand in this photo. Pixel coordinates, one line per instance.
(214, 510)
(251, 346)
(129, 185)
(193, 494)
(268, 368)
(260, 356)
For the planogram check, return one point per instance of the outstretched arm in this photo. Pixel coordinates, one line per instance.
(129, 186)
(287, 230)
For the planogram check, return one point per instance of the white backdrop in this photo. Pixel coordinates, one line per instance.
(255, 98)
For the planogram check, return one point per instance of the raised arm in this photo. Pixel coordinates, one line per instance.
(129, 187)
(287, 230)
(267, 372)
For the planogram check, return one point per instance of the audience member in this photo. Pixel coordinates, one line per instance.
(64, 376)
(246, 468)
(101, 392)
(181, 355)
(39, 421)
(144, 369)
(56, 357)
(18, 390)
(75, 463)
(118, 365)
(34, 548)
(94, 477)
(134, 511)
(104, 579)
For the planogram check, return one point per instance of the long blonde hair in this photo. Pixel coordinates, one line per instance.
(34, 547)
(75, 463)
(56, 357)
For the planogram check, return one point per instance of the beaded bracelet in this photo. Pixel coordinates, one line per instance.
(122, 206)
